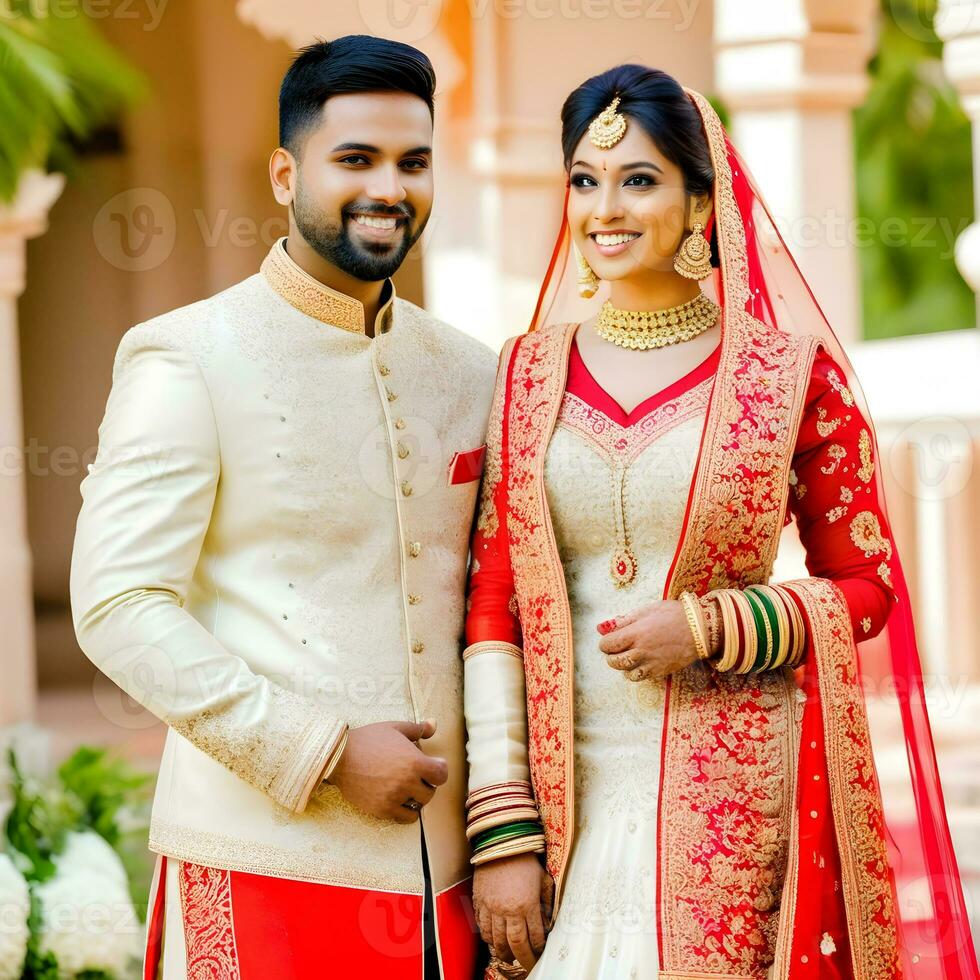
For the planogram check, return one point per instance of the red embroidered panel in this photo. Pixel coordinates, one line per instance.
(205, 900)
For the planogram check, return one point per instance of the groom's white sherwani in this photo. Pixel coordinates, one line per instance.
(271, 547)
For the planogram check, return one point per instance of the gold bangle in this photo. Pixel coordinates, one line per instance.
(532, 844)
(729, 654)
(798, 626)
(692, 610)
(712, 618)
(750, 635)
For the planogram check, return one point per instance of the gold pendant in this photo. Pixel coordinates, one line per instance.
(623, 567)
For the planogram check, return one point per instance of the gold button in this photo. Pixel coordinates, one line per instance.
(414, 600)
(418, 646)
(403, 451)
(415, 549)
(391, 395)
(407, 489)
(384, 370)
(399, 423)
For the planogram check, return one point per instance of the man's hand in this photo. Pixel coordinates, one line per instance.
(382, 769)
(653, 641)
(512, 901)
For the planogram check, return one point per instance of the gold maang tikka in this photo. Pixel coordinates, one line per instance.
(609, 127)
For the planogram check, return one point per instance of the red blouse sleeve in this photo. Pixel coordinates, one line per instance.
(834, 499)
(491, 606)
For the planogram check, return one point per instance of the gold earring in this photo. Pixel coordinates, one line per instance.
(693, 258)
(588, 281)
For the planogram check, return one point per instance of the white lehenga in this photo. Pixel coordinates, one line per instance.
(606, 925)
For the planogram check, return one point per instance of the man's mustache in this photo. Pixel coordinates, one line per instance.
(405, 211)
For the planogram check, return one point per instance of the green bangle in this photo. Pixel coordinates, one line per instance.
(770, 611)
(763, 648)
(505, 838)
(505, 831)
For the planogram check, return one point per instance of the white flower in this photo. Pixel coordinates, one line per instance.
(827, 944)
(89, 851)
(88, 918)
(15, 907)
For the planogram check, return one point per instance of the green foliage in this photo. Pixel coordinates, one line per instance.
(37, 824)
(914, 183)
(59, 80)
(38, 966)
(102, 788)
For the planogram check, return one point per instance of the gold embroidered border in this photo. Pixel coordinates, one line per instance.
(308, 295)
(537, 386)
(728, 220)
(492, 646)
(859, 822)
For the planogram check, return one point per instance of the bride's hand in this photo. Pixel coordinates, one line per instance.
(512, 903)
(652, 641)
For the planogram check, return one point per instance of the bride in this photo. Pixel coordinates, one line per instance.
(671, 768)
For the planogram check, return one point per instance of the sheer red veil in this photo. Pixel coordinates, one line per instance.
(757, 273)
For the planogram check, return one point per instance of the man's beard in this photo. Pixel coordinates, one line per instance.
(331, 241)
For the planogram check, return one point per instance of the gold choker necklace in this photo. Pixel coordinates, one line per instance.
(656, 328)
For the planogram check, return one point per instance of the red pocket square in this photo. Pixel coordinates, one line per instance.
(468, 466)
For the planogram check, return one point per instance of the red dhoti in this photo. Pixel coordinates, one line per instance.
(231, 925)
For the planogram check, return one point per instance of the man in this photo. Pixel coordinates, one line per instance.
(271, 556)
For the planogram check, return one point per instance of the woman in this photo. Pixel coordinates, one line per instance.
(699, 774)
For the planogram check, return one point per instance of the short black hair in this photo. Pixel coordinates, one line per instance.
(665, 112)
(355, 63)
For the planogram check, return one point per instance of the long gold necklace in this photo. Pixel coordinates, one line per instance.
(656, 328)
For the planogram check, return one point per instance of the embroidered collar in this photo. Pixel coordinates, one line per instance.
(321, 302)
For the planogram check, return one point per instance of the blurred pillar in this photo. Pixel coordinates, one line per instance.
(25, 217)
(958, 24)
(790, 72)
